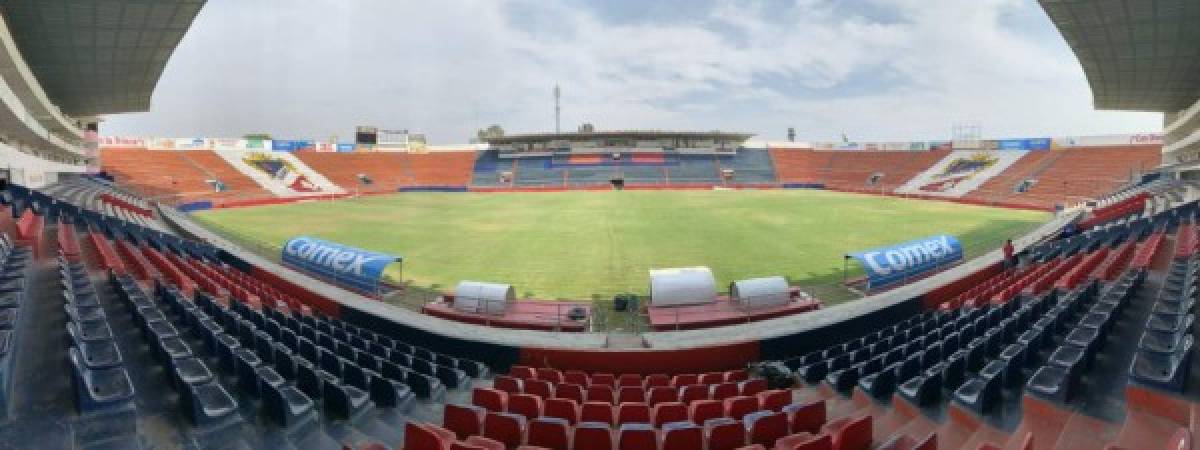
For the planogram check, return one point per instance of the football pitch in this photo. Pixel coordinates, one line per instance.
(582, 245)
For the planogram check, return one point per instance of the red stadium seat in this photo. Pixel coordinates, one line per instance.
(753, 387)
(576, 377)
(682, 436)
(790, 441)
(765, 427)
(424, 436)
(662, 394)
(805, 441)
(637, 436)
(631, 394)
(629, 380)
(463, 420)
(550, 432)
(806, 417)
(774, 400)
(508, 384)
(540, 388)
(480, 442)
(737, 375)
(657, 380)
(725, 434)
(592, 436)
(702, 410)
(693, 392)
(602, 412)
(633, 413)
(604, 379)
(850, 434)
(712, 378)
(601, 393)
(526, 405)
(506, 428)
(571, 391)
(551, 375)
(562, 408)
(664, 413)
(723, 391)
(523, 372)
(684, 380)
(490, 399)
(737, 407)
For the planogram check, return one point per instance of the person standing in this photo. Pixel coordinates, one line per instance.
(1009, 259)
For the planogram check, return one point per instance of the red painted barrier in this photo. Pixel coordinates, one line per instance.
(692, 360)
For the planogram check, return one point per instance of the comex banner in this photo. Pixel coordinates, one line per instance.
(889, 265)
(350, 267)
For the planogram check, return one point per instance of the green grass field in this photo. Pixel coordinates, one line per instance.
(579, 244)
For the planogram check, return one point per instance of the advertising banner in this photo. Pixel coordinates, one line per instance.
(345, 148)
(351, 267)
(889, 265)
(1023, 144)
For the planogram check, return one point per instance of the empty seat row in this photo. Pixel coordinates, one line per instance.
(204, 399)
(806, 422)
(102, 384)
(624, 380)
(14, 261)
(573, 412)
(1164, 351)
(1084, 325)
(605, 393)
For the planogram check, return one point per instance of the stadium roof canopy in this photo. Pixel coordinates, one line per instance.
(619, 134)
(96, 57)
(1138, 55)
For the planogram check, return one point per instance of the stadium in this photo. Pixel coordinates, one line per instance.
(610, 289)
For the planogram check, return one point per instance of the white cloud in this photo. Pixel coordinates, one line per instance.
(318, 68)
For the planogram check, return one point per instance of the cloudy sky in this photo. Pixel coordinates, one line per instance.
(872, 69)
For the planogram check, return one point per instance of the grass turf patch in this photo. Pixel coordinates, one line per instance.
(583, 244)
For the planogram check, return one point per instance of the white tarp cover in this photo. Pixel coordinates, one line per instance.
(682, 286)
(480, 297)
(760, 292)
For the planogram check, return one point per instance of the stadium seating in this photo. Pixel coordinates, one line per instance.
(867, 171)
(178, 175)
(1069, 175)
(389, 171)
(1024, 341)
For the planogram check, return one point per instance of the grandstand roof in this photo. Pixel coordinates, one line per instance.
(99, 57)
(621, 134)
(1142, 55)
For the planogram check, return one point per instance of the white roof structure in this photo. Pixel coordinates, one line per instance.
(682, 286)
(481, 297)
(756, 292)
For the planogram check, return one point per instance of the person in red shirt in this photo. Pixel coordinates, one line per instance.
(1009, 261)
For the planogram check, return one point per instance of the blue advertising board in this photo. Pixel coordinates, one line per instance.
(350, 267)
(342, 148)
(890, 265)
(288, 145)
(1024, 144)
